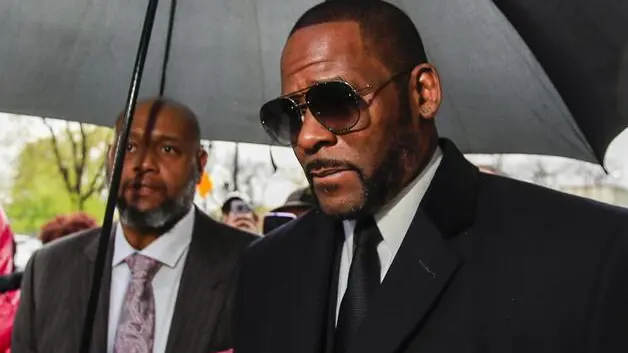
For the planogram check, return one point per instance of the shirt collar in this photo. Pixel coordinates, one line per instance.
(167, 249)
(394, 219)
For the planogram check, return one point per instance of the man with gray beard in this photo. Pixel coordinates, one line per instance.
(169, 274)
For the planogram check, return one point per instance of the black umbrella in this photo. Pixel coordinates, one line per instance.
(559, 94)
(583, 46)
(544, 76)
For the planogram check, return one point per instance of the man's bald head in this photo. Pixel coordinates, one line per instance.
(162, 164)
(162, 106)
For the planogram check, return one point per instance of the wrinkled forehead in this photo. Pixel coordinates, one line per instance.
(158, 123)
(319, 39)
(322, 52)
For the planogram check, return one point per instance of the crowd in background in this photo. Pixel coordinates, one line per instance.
(236, 212)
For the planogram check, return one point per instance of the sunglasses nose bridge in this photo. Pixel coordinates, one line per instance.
(303, 109)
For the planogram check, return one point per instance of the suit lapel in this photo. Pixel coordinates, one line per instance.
(420, 272)
(425, 263)
(101, 323)
(202, 290)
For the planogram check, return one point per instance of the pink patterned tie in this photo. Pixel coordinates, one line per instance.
(136, 329)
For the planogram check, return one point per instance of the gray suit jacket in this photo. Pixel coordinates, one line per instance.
(57, 280)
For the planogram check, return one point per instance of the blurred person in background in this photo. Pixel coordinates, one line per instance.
(10, 281)
(10, 277)
(237, 213)
(8, 299)
(63, 225)
(56, 228)
(297, 204)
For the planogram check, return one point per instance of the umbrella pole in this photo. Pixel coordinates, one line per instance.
(123, 136)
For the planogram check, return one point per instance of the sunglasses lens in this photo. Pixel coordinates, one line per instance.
(281, 119)
(334, 104)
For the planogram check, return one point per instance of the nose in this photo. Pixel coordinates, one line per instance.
(144, 161)
(313, 135)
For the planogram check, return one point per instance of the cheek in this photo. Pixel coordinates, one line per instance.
(373, 162)
(385, 119)
(368, 147)
(176, 176)
(127, 176)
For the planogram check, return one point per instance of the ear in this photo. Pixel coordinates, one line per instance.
(201, 160)
(425, 90)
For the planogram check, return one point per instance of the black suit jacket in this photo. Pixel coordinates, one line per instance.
(489, 264)
(57, 280)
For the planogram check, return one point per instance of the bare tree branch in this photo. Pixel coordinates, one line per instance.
(101, 185)
(68, 132)
(55, 148)
(209, 147)
(235, 168)
(253, 181)
(272, 159)
(97, 184)
(80, 166)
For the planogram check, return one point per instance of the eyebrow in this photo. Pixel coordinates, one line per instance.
(156, 137)
(331, 79)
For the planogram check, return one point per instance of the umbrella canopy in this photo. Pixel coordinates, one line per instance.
(72, 59)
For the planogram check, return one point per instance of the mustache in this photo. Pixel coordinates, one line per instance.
(137, 182)
(321, 163)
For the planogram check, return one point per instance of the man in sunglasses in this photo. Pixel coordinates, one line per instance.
(413, 249)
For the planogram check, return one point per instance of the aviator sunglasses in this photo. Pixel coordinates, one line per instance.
(335, 104)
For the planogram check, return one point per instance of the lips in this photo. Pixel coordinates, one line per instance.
(142, 188)
(325, 172)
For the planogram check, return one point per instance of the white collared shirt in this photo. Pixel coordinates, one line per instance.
(393, 222)
(170, 249)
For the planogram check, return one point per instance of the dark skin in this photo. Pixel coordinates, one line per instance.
(162, 154)
(336, 50)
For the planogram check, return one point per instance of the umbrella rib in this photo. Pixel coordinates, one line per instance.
(573, 125)
(166, 59)
(551, 91)
(259, 49)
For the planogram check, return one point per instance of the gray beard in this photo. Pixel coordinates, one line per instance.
(162, 216)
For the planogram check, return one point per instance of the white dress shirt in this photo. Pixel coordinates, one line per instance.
(170, 249)
(393, 222)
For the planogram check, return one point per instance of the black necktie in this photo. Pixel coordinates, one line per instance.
(364, 279)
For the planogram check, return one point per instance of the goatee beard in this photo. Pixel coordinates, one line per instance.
(376, 189)
(387, 180)
(160, 218)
